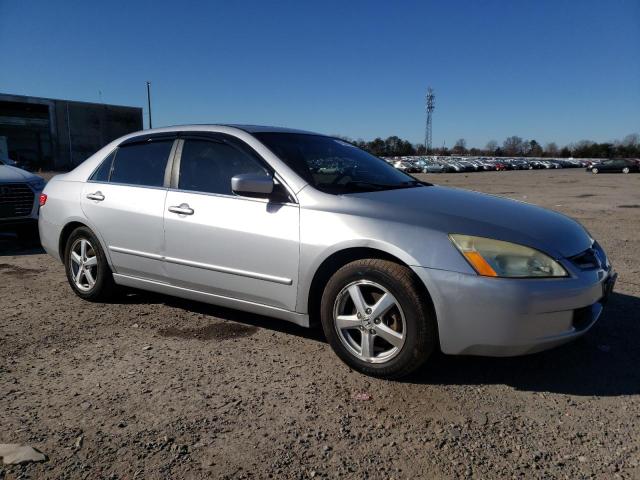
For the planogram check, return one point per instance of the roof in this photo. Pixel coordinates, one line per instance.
(266, 128)
(245, 128)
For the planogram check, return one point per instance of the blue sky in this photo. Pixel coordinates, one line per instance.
(550, 70)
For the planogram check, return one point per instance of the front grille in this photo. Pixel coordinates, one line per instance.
(16, 200)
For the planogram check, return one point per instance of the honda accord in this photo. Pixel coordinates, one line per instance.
(311, 229)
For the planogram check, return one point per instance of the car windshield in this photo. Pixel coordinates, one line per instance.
(334, 166)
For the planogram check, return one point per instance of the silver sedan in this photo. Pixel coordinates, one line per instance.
(308, 228)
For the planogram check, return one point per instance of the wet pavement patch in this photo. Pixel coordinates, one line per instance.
(629, 206)
(214, 331)
(586, 195)
(17, 270)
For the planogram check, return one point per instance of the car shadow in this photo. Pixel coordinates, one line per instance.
(12, 245)
(604, 362)
(132, 296)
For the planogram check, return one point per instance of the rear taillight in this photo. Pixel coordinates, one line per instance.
(43, 199)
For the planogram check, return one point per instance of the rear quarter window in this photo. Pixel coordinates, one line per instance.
(102, 172)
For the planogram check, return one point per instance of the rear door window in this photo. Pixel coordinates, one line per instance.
(141, 163)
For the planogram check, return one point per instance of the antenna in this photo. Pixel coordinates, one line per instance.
(431, 105)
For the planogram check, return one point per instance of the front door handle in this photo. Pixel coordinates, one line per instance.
(182, 209)
(97, 196)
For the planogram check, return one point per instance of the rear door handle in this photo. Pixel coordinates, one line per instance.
(182, 209)
(97, 196)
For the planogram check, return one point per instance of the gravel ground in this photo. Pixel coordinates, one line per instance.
(155, 387)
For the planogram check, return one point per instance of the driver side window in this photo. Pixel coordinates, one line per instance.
(208, 166)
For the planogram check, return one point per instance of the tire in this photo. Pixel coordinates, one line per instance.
(625, 170)
(594, 170)
(96, 285)
(411, 317)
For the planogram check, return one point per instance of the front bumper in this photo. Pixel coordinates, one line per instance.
(506, 317)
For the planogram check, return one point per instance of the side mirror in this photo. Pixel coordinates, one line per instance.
(252, 185)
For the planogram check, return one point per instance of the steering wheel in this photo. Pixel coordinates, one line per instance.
(340, 176)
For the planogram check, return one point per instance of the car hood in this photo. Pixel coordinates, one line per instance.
(452, 210)
(10, 174)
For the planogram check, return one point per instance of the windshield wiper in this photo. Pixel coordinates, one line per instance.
(387, 186)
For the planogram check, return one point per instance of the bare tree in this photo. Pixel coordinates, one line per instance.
(631, 140)
(534, 150)
(551, 149)
(513, 146)
(491, 147)
(460, 146)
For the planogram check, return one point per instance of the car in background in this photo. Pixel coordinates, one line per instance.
(8, 161)
(19, 198)
(501, 167)
(402, 166)
(536, 165)
(619, 165)
(519, 164)
(467, 166)
(433, 168)
(414, 167)
(452, 167)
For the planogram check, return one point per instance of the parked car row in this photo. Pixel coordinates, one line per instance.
(436, 164)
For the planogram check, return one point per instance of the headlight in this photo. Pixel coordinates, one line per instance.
(495, 258)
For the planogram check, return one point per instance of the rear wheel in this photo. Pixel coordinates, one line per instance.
(625, 170)
(87, 269)
(376, 318)
(594, 170)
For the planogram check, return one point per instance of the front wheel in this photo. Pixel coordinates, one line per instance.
(625, 170)
(87, 269)
(594, 170)
(376, 318)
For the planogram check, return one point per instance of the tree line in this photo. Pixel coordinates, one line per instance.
(514, 146)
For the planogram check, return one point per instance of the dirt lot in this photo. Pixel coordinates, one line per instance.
(154, 387)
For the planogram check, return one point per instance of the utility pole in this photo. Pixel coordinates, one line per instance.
(431, 105)
(69, 135)
(149, 103)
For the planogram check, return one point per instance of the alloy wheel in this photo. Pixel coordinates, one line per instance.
(369, 321)
(83, 264)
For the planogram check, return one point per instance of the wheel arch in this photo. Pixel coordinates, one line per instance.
(68, 229)
(337, 260)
